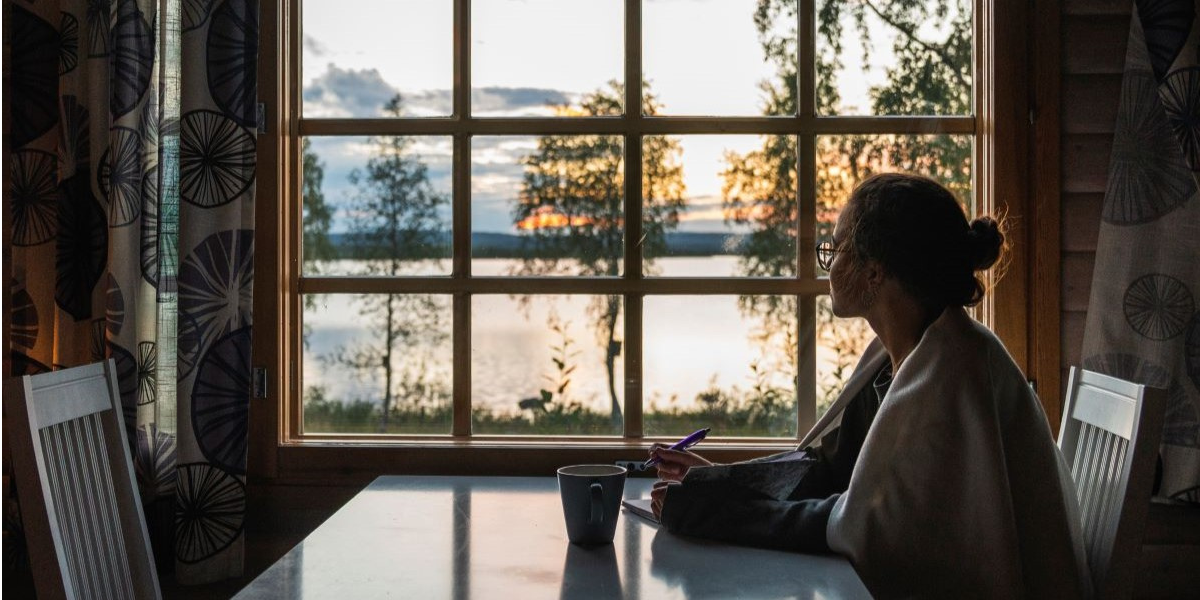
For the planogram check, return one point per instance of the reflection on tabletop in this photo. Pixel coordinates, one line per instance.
(591, 572)
(692, 566)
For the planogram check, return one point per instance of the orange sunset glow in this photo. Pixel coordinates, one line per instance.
(545, 218)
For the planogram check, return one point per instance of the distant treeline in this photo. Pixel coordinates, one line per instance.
(503, 245)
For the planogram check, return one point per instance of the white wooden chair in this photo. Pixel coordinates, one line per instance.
(1110, 434)
(79, 503)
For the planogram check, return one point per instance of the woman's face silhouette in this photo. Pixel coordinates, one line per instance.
(847, 285)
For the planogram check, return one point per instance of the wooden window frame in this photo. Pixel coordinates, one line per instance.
(1010, 178)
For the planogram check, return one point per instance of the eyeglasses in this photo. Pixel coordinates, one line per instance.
(825, 252)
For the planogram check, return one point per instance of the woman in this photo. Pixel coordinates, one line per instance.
(935, 471)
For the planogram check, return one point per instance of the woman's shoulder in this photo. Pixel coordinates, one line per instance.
(966, 345)
(956, 328)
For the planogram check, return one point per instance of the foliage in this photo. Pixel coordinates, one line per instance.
(929, 77)
(544, 402)
(317, 246)
(317, 214)
(570, 209)
(392, 209)
(739, 415)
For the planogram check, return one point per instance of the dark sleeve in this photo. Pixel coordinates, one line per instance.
(794, 525)
(729, 510)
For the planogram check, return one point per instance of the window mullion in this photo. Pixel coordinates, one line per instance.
(633, 219)
(292, 418)
(633, 366)
(461, 224)
(806, 183)
(462, 61)
(806, 64)
(461, 206)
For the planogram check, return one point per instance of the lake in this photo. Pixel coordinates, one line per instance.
(697, 344)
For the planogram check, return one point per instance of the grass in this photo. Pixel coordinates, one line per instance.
(761, 418)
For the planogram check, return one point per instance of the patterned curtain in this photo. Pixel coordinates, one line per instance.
(130, 202)
(1143, 319)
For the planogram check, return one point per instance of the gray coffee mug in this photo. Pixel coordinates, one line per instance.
(591, 498)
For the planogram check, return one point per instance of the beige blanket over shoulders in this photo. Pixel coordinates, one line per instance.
(960, 490)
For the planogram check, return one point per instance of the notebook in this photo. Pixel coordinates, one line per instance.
(640, 507)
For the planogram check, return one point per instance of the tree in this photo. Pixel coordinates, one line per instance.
(317, 246)
(317, 214)
(929, 77)
(570, 209)
(394, 220)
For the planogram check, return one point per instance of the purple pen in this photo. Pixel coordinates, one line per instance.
(691, 440)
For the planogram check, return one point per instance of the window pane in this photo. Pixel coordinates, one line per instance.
(719, 206)
(364, 352)
(910, 58)
(840, 343)
(547, 205)
(532, 57)
(707, 59)
(735, 374)
(845, 160)
(398, 49)
(376, 206)
(547, 364)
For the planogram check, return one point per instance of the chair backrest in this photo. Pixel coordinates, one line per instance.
(83, 518)
(1109, 437)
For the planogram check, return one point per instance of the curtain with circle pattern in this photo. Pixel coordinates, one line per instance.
(130, 205)
(1143, 320)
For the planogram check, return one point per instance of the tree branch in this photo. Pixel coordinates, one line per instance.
(937, 50)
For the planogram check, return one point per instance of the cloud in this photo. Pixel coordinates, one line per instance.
(347, 93)
(427, 103)
(506, 101)
(488, 101)
(313, 47)
(350, 93)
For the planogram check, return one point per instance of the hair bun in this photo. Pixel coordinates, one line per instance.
(984, 242)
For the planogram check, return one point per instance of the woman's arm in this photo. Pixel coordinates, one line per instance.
(794, 525)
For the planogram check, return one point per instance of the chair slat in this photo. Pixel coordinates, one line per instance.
(82, 491)
(56, 484)
(91, 572)
(1086, 476)
(1096, 479)
(72, 526)
(1103, 496)
(108, 503)
(97, 516)
(1116, 496)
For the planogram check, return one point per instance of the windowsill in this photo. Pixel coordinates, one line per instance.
(516, 442)
(361, 461)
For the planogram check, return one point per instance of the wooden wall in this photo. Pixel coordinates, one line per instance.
(1094, 36)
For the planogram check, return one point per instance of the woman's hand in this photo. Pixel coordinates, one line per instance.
(674, 464)
(658, 495)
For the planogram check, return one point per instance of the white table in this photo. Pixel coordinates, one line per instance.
(504, 537)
